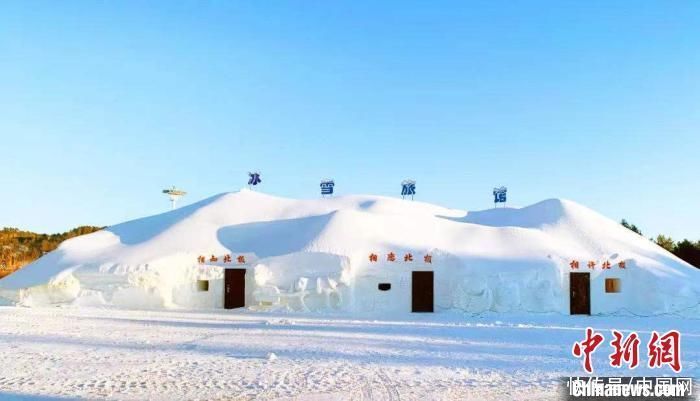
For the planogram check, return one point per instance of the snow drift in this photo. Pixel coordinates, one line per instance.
(314, 255)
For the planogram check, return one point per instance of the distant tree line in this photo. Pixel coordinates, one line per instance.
(687, 250)
(19, 248)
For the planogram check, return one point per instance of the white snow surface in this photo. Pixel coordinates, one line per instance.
(62, 353)
(313, 255)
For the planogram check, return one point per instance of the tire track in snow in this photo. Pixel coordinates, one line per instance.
(389, 386)
(366, 392)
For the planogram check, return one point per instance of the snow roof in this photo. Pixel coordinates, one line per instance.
(552, 231)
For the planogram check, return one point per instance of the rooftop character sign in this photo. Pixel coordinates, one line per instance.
(254, 178)
(408, 187)
(327, 187)
(499, 195)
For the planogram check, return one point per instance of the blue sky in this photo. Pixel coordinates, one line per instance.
(103, 104)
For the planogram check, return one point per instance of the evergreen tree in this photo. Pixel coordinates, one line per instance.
(665, 242)
(688, 251)
(631, 226)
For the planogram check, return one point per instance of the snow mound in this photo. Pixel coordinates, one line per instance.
(541, 214)
(314, 255)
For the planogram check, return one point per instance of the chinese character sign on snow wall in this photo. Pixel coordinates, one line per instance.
(408, 187)
(254, 178)
(327, 187)
(499, 195)
(407, 257)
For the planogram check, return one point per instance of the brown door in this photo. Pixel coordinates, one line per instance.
(422, 295)
(580, 293)
(234, 288)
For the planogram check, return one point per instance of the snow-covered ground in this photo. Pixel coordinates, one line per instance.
(96, 353)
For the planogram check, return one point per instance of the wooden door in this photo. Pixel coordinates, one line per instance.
(234, 288)
(580, 293)
(422, 292)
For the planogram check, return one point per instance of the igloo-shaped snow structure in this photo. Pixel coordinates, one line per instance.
(360, 254)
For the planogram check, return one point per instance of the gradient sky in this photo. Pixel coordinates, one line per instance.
(103, 104)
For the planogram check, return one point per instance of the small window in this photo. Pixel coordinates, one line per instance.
(612, 285)
(202, 285)
(384, 286)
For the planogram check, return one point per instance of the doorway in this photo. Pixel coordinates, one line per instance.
(580, 293)
(234, 288)
(422, 292)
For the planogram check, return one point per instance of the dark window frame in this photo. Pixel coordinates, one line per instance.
(613, 285)
(202, 285)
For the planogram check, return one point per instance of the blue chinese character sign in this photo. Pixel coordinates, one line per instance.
(254, 178)
(327, 187)
(408, 187)
(499, 195)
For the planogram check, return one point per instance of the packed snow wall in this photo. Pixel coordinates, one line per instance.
(302, 281)
(325, 282)
(472, 287)
(528, 285)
